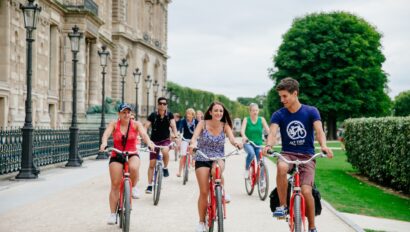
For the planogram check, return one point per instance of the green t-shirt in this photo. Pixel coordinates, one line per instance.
(254, 131)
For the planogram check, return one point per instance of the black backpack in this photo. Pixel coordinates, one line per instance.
(274, 199)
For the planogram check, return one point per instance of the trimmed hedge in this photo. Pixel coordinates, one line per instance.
(379, 148)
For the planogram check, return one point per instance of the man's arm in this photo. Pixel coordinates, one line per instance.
(174, 127)
(321, 138)
(271, 141)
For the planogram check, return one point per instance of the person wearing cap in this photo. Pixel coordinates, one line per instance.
(160, 121)
(125, 136)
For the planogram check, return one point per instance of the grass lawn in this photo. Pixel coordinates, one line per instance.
(348, 194)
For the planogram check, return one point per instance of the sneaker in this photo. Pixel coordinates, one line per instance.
(313, 230)
(280, 211)
(246, 174)
(149, 189)
(227, 198)
(112, 219)
(200, 227)
(135, 193)
(166, 173)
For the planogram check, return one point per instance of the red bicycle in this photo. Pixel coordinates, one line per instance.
(124, 204)
(258, 174)
(296, 216)
(216, 201)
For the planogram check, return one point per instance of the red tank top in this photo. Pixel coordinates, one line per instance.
(131, 141)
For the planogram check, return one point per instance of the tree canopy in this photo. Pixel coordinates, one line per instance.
(337, 59)
(401, 105)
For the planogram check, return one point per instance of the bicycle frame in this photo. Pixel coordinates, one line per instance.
(157, 175)
(296, 188)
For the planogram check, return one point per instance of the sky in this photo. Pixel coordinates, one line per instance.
(227, 46)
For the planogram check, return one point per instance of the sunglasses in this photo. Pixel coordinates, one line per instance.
(162, 103)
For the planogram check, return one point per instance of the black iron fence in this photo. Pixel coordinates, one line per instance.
(49, 146)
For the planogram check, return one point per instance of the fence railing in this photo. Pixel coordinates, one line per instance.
(49, 146)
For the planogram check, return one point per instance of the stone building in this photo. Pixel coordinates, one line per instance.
(131, 29)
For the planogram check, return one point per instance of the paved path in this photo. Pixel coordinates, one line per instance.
(76, 199)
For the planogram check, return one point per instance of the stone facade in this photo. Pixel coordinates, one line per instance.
(131, 29)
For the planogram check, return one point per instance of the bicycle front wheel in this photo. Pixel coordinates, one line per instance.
(297, 216)
(263, 182)
(249, 183)
(157, 183)
(219, 208)
(127, 206)
(186, 170)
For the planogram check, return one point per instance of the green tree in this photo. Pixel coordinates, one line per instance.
(401, 105)
(337, 59)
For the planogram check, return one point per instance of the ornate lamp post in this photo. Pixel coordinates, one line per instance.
(176, 103)
(28, 170)
(123, 72)
(103, 62)
(148, 83)
(137, 79)
(164, 91)
(156, 88)
(73, 159)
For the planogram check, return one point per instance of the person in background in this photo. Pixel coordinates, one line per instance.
(199, 115)
(252, 131)
(188, 125)
(161, 121)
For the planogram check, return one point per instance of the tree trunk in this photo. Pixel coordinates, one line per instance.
(331, 128)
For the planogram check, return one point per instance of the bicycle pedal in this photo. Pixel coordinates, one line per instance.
(281, 218)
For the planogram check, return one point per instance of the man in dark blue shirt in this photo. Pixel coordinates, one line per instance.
(297, 123)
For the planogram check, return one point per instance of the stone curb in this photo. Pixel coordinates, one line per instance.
(349, 222)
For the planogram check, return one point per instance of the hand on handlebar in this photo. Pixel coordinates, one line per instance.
(327, 151)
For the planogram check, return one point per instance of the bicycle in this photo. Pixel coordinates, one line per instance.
(258, 173)
(158, 173)
(296, 215)
(216, 200)
(187, 161)
(124, 204)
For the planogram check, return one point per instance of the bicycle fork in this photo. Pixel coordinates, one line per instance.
(297, 190)
(218, 182)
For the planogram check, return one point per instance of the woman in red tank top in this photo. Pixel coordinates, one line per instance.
(119, 129)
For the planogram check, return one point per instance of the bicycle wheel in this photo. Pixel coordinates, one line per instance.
(219, 208)
(263, 182)
(297, 213)
(127, 206)
(249, 182)
(158, 183)
(209, 219)
(185, 179)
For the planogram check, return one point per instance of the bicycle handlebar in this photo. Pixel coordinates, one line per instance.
(184, 139)
(200, 153)
(252, 143)
(162, 147)
(297, 162)
(121, 152)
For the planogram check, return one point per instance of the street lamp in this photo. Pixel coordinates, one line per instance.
(73, 159)
(137, 79)
(28, 170)
(164, 91)
(148, 83)
(103, 63)
(156, 88)
(123, 72)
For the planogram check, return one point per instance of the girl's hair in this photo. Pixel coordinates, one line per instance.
(191, 111)
(225, 117)
(253, 105)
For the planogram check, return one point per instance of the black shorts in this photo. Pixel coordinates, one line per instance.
(206, 164)
(121, 160)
